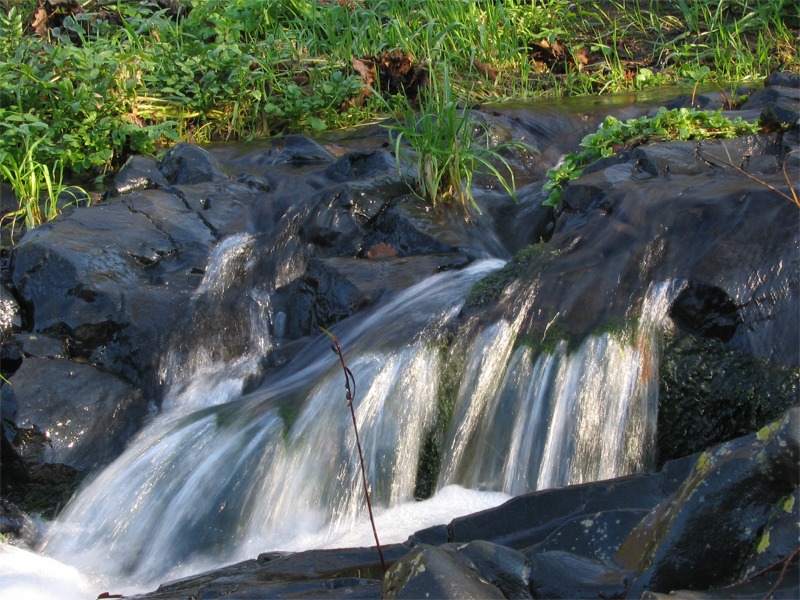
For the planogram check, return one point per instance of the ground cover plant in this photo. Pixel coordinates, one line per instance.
(614, 135)
(93, 82)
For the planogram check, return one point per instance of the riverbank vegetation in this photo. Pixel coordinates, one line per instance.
(613, 135)
(85, 84)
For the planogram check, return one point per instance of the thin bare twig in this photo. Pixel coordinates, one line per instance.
(350, 394)
(786, 561)
(794, 196)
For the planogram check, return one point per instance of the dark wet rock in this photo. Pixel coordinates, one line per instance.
(778, 100)
(87, 415)
(762, 164)
(14, 470)
(727, 498)
(505, 213)
(352, 573)
(775, 583)
(145, 250)
(323, 296)
(332, 289)
(596, 536)
(138, 173)
(290, 150)
(782, 112)
(783, 79)
(228, 208)
(331, 226)
(14, 522)
(189, 164)
(779, 537)
(595, 193)
(367, 165)
(679, 158)
(527, 520)
(40, 346)
(705, 310)
(370, 180)
(558, 574)
(408, 228)
(411, 228)
(437, 572)
(506, 569)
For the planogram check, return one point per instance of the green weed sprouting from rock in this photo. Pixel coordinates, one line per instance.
(614, 135)
(448, 145)
(37, 186)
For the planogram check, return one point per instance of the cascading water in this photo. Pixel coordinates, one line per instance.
(221, 474)
(527, 422)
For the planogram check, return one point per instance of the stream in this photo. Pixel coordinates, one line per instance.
(559, 386)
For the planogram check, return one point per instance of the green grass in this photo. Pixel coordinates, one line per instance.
(448, 146)
(101, 85)
(39, 188)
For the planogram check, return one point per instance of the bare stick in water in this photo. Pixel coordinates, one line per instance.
(350, 394)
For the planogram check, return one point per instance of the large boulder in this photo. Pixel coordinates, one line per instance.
(85, 415)
(98, 275)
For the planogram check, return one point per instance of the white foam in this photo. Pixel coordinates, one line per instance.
(397, 523)
(31, 576)
(27, 575)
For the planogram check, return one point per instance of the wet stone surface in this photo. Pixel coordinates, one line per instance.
(325, 230)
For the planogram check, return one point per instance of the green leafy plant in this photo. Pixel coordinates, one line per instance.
(447, 146)
(613, 135)
(102, 80)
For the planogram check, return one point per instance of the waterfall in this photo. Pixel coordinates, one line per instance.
(527, 421)
(222, 474)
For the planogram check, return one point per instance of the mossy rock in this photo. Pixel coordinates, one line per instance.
(710, 393)
(526, 261)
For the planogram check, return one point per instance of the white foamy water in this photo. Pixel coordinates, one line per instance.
(25, 575)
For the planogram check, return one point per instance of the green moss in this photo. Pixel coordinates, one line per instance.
(488, 289)
(763, 544)
(430, 460)
(709, 394)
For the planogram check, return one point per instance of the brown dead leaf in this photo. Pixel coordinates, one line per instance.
(39, 23)
(365, 68)
(382, 250)
(581, 58)
(392, 73)
(485, 69)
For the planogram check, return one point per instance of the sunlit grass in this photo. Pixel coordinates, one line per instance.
(448, 146)
(99, 89)
(38, 188)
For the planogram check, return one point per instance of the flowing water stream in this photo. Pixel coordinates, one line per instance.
(221, 475)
